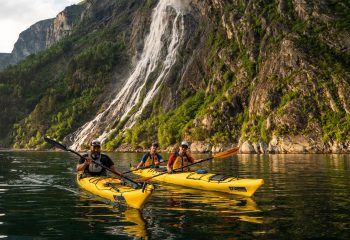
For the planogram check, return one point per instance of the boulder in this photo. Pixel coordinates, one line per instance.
(247, 147)
(200, 147)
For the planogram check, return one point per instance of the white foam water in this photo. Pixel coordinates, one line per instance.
(158, 56)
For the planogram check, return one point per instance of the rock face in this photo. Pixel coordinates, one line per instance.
(43, 34)
(293, 86)
(4, 57)
(32, 40)
(64, 23)
(247, 147)
(270, 76)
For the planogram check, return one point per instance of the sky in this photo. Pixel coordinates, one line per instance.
(18, 15)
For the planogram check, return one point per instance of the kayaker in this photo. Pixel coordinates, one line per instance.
(92, 169)
(152, 158)
(180, 159)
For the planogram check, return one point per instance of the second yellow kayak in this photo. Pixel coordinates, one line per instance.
(206, 181)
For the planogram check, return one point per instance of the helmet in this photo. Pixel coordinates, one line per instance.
(184, 143)
(95, 142)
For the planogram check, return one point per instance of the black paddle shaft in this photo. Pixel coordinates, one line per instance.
(63, 147)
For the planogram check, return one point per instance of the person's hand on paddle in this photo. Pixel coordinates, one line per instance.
(169, 170)
(88, 161)
(82, 166)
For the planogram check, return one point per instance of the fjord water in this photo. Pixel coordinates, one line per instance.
(304, 197)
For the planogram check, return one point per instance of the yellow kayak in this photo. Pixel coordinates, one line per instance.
(112, 189)
(205, 181)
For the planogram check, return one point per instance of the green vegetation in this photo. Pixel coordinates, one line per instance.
(56, 91)
(168, 128)
(336, 126)
(342, 8)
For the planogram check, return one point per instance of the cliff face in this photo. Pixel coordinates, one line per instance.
(31, 40)
(3, 57)
(64, 23)
(271, 76)
(296, 53)
(44, 34)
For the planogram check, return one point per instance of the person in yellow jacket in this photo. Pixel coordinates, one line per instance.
(152, 158)
(179, 160)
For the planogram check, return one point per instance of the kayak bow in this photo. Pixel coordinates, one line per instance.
(112, 189)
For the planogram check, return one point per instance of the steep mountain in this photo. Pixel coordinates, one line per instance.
(43, 34)
(3, 57)
(269, 75)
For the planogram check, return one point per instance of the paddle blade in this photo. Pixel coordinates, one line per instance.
(56, 144)
(227, 153)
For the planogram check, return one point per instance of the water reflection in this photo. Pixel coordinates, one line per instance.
(180, 199)
(170, 208)
(120, 221)
(139, 227)
(304, 197)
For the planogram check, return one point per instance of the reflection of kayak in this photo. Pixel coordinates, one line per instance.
(112, 189)
(138, 228)
(129, 222)
(225, 205)
(131, 225)
(199, 201)
(206, 181)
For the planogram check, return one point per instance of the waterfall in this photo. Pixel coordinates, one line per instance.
(158, 55)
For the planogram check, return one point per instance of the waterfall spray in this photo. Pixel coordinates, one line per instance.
(158, 56)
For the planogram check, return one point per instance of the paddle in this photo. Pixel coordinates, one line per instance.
(142, 167)
(224, 154)
(64, 148)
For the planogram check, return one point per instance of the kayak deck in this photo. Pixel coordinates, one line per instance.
(205, 181)
(113, 190)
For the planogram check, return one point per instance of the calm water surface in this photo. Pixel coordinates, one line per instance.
(304, 197)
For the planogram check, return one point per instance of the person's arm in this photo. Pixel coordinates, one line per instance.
(139, 165)
(83, 163)
(170, 164)
(110, 164)
(115, 171)
(160, 159)
(143, 160)
(197, 160)
(192, 160)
